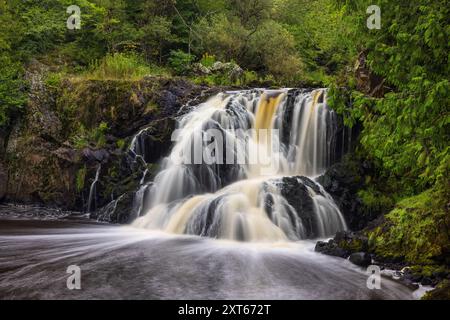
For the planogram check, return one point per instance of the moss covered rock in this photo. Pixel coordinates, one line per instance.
(69, 129)
(441, 292)
(416, 231)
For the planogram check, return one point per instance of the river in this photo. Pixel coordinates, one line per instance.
(122, 262)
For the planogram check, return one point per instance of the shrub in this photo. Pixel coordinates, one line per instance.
(208, 60)
(12, 96)
(81, 178)
(119, 66)
(180, 62)
(95, 137)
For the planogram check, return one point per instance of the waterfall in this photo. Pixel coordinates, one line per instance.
(223, 178)
(92, 201)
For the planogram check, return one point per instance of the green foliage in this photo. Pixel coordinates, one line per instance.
(121, 144)
(250, 38)
(12, 96)
(324, 36)
(208, 60)
(441, 292)
(81, 178)
(407, 130)
(95, 138)
(54, 79)
(375, 201)
(119, 66)
(180, 62)
(213, 80)
(280, 40)
(250, 77)
(416, 230)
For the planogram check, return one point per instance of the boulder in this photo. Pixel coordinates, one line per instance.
(362, 259)
(200, 69)
(294, 190)
(351, 241)
(343, 244)
(330, 248)
(426, 281)
(168, 102)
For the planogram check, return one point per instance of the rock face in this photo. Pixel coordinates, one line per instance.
(36, 172)
(343, 181)
(3, 181)
(42, 163)
(120, 210)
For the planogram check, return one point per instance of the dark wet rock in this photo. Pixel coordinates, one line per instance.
(331, 248)
(44, 166)
(154, 141)
(3, 180)
(415, 277)
(352, 241)
(343, 244)
(410, 284)
(426, 281)
(362, 259)
(120, 210)
(168, 101)
(294, 190)
(67, 154)
(441, 292)
(343, 181)
(99, 156)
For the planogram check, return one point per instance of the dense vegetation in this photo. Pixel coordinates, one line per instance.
(404, 112)
(405, 126)
(276, 41)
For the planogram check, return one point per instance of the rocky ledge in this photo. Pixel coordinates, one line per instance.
(355, 247)
(70, 131)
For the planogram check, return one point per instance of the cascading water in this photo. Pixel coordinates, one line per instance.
(272, 200)
(223, 177)
(92, 200)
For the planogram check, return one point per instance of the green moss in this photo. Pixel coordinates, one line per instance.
(416, 230)
(151, 107)
(441, 292)
(356, 245)
(121, 144)
(429, 270)
(374, 201)
(81, 178)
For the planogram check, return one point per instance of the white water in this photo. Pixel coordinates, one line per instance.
(125, 263)
(229, 201)
(93, 189)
